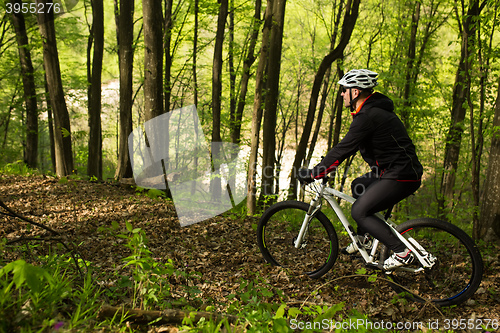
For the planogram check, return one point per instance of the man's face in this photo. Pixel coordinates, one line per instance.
(349, 94)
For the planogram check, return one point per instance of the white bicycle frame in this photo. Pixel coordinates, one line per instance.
(328, 193)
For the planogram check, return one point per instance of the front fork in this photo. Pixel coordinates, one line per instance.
(314, 206)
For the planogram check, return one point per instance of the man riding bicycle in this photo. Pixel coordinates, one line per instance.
(380, 136)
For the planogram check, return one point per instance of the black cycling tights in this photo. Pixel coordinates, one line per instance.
(374, 195)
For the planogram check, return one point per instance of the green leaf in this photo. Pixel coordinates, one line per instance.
(361, 271)
(32, 275)
(128, 225)
(330, 312)
(280, 312)
(65, 132)
(294, 312)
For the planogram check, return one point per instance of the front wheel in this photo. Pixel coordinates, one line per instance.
(277, 233)
(457, 270)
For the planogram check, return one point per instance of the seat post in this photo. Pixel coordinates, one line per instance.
(388, 212)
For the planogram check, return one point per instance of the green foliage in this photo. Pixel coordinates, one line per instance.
(17, 168)
(152, 193)
(150, 278)
(39, 298)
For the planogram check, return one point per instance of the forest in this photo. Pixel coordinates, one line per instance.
(86, 247)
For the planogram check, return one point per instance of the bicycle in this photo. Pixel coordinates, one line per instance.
(447, 269)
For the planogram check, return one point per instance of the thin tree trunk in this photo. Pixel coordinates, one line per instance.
(324, 96)
(168, 56)
(232, 71)
(410, 66)
(489, 223)
(257, 111)
(247, 64)
(350, 18)
(317, 128)
(28, 75)
(460, 92)
(50, 121)
(153, 58)
(195, 52)
(94, 164)
(125, 27)
(62, 128)
(167, 77)
(336, 117)
(478, 144)
(272, 97)
(215, 184)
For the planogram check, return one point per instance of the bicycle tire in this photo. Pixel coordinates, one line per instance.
(278, 228)
(458, 270)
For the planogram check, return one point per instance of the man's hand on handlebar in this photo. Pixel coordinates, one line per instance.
(305, 176)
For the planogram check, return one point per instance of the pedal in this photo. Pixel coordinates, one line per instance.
(375, 266)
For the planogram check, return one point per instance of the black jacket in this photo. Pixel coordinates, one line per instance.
(380, 136)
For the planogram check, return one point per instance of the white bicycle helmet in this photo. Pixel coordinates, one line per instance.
(359, 78)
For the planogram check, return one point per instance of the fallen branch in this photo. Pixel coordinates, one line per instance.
(11, 213)
(57, 236)
(168, 316)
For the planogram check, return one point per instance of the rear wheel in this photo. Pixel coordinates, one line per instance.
(456, 273)
(277, 232)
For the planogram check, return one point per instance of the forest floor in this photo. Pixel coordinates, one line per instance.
(222, 250)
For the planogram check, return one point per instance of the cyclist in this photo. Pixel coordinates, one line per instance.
(380, 136)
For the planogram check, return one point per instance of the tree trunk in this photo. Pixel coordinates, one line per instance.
(247, 64)
(460, 92)
(410, 66)
(257, 111)
(271, 101)
(215, 184)
(168, 316)
(350, 18)
(62, 128)
(324, 95)
(50, 121)
(317, 128)
(336, 116)
(153, 58)
(489, 225)
(167, 76)
(195, 58)
(232, 71)
(27, 72)
(484, 59)
(94, 164)
(168, 57)
(125, 27)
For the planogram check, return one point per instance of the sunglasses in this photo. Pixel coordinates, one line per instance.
(344, 89)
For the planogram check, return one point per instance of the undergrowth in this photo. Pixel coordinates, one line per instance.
(51, 295)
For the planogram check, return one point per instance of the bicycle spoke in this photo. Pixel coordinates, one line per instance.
(279, 229)
(457, 269)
